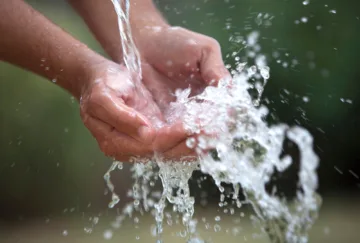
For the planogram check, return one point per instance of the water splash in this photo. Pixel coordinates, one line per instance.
(245, 152)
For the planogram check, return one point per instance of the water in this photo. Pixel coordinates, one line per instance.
(245, 153)
(131, 55)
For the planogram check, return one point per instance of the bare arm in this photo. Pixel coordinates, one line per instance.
(101, 18)
(117, 114)
(191, 54)
(31, 41)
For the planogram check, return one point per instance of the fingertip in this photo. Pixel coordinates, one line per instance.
(169, 136)
(213, 76)
(181, 152)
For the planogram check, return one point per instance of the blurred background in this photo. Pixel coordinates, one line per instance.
(51, 167)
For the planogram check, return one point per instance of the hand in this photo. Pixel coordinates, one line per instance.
(124, 118)
(176, 58)
(181, 54)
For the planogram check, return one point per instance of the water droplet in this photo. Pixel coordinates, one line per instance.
(88, 230)
(108, 234)
(190, 142)
(183, 233)
(252, 70)
(217, 228)
(65, 233)
(304, 19)
(354, 174)
(338, 170)
(95, 220)
(115, 200)
(169, 63)
(306, 99)
(153, 230)
(265, 72)
(326, 230)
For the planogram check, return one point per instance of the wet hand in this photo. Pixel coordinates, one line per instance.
(175, 57)
(124, 118)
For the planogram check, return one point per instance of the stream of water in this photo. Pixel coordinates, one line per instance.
(245, 154)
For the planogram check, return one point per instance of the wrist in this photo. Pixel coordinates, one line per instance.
(80, 73)
(146, 21)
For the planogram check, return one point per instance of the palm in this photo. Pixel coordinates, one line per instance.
(163, 87)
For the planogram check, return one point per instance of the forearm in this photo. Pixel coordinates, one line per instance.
(31, 41)
(144, 15)
(102, 20)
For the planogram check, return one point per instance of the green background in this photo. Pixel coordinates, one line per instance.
(49, 161)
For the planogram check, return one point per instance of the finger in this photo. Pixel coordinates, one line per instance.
(180, 152)
(97, 128)
(212, 67)
(124, 119)
(115, 144)
(169, 136)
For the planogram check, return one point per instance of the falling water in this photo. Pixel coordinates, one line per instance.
(130, 53)
(245, 153)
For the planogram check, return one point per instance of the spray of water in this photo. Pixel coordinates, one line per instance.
(244, 152)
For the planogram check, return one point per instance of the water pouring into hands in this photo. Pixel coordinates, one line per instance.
(126, 119)
(131, 117)
(171, 58)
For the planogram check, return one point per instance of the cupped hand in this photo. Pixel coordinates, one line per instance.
(124, 118)
(177, 58)
(183, 55)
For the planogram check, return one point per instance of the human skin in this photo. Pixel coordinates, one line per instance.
(115, 112)
(172, 57)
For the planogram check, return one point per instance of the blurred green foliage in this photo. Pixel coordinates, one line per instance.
(48, 160)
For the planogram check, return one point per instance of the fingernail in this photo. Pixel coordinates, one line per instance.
(146, 134)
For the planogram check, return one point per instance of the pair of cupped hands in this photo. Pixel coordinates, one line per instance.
(127, 119)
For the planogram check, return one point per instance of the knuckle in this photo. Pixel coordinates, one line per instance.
(211, 73)
(212, 45)
(112, 151)
(105, 148)
(85, 118)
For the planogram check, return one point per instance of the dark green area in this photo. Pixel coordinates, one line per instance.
(49, 161)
